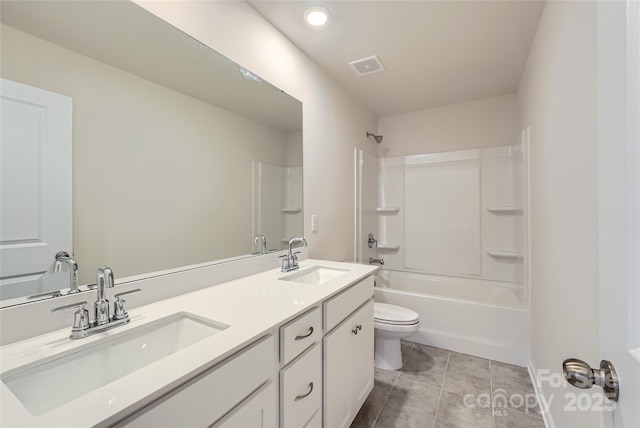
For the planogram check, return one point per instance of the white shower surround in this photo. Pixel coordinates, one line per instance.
(460, 214)
(277, 204)
(482, 318)
(469, 287)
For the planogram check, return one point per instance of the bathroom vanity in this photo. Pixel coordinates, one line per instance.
(271, 349)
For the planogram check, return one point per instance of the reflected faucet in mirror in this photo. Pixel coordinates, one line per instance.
(63, 258)
(263, 247)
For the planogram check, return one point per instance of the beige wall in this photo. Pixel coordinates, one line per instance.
(558, 100)
(158, 181)
(333, 123)
(294, 149)
(483, 123)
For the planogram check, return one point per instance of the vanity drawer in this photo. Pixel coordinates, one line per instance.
(341, 306)
(299, 334)
(301, 389)
(205, 399)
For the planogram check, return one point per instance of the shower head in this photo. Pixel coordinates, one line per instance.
(378, 138)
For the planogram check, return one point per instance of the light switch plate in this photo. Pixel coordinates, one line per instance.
(314, 223)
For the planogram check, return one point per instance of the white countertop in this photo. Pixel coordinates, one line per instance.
(251, 306)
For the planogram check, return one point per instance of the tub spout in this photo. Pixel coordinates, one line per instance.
(378, 261)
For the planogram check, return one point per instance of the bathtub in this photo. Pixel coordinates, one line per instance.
(482, 318)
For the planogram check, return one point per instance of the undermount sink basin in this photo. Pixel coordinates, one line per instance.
(316, 275)
(51, 382)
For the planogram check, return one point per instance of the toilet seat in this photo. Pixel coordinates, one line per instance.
(392, 315)
(392, 330)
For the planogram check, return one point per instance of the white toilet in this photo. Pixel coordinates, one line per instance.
(391, 324)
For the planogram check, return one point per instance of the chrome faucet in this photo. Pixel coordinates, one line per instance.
(290, 260)
(263, 248)
(104, 279)
(63, 258)
(378, 261)
(82, 326)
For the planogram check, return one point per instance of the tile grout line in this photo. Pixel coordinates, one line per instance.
(446, 368)
(384, 403)
(493, 412)
(520, 412)
(375, 420)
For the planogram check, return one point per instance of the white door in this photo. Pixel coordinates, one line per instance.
(35, 186)
(619, 197)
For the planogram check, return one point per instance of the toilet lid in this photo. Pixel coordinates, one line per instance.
(392, 314)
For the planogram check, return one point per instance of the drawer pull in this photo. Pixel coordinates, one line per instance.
(305, 335)
(355, 330)
(300, 397)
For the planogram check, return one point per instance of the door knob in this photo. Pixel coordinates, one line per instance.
(581, 375)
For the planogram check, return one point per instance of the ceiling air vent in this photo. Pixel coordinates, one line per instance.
(366, 66)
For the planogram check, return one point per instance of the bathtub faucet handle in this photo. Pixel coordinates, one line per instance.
(371, 241)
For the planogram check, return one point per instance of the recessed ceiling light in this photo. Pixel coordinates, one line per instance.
(316, 16)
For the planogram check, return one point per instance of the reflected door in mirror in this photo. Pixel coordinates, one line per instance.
(36, 196)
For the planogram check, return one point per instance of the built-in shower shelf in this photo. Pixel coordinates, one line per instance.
(505, 255)
(508, 210)
(387, 210)
(388, 247)
(291, 210)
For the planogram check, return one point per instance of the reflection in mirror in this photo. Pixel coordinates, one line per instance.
(179, 156)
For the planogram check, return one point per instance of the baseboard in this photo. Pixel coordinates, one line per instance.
(471, 346)
(546, 415)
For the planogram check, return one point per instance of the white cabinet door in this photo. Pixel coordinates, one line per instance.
(211, 395)
(348, 367)
(36, 186)
(259, 411)
(337, 407)
(361, 356)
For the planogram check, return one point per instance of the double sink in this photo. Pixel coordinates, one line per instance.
(49, 383)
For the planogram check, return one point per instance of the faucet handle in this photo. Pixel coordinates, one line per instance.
(71, 306)
(54, 293)
(286, 262)
(80, 317)
(119, 308)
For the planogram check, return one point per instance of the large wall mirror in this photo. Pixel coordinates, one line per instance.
(179, 157)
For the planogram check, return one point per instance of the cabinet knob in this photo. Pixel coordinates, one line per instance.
(356, 329)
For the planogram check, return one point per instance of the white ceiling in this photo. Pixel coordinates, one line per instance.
(435, 52)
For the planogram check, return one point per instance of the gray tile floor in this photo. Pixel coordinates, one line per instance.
(437, 388)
